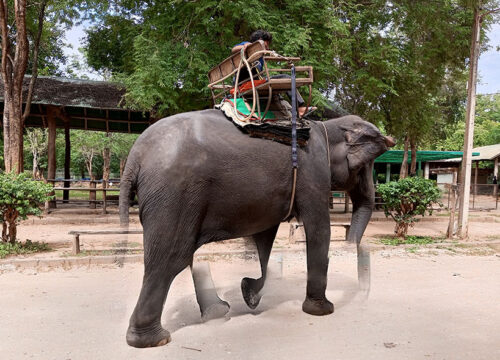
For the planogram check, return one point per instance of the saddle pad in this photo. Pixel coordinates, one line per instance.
(247, 86)
(273, 127)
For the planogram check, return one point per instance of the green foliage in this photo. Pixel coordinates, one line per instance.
(408, 198)
(397, 64)
(410, 239)
(486, 125)
(20, 196)
(18, 248)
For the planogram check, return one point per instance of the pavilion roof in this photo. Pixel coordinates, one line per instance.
(89, 104)
(396, 156)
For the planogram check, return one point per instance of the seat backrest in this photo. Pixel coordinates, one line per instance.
(229, 66)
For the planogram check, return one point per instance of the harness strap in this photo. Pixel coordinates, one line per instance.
(294, 141)
(327, 143)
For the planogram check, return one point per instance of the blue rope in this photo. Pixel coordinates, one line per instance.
(294, 121)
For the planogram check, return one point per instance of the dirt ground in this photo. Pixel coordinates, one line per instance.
(420, 307)
(437, 301)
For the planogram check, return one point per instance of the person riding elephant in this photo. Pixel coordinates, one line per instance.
(267, 38)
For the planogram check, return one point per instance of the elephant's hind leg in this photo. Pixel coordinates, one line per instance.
(251, 287)
(160, 269)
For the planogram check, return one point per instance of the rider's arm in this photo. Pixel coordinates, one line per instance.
(238, 47)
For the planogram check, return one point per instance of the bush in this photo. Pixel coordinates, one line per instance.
(408, 198)
(20, 196)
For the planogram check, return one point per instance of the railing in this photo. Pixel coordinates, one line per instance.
(482, 197)
(92, 190)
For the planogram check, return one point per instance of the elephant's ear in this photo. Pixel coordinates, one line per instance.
(362, 148)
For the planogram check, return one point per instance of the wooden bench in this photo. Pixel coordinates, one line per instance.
(294, 227)
(76, 235)
(221, 76)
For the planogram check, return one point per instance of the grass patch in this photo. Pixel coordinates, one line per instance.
(84, 253)
(410, 239)
(131, 244)
(19, 248)
(412, 249)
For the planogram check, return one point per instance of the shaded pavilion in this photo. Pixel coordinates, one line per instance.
(61, 103)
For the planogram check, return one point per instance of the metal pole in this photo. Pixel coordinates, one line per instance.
(463, 216)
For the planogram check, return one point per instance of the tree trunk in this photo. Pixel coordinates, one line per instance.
(4, 230)
(123, 162)
(106, 156)
(404, 165)
(13, 140)
(413, 167)
(401, 230)
(13, 68)
(35, 165)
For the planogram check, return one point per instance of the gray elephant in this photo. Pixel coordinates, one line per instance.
(199, 179)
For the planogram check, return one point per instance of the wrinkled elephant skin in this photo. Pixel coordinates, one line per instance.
(199, 179)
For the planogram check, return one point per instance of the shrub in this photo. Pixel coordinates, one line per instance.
(408, 198)
(20, 196)
(29, 247)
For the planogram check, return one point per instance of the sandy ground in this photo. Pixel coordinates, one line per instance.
(420, 307)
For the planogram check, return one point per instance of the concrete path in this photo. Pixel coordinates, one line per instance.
(420, 307)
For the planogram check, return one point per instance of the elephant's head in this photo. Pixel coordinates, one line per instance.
(364, 142)
(357, 144)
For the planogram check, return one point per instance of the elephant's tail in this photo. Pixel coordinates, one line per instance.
(127, 194)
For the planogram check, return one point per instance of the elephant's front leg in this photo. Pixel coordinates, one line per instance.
(211, 305)
(251, 288)
(317, 228)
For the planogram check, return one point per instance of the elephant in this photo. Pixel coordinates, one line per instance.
(199, 179)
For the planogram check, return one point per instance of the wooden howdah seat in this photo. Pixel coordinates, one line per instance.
(223, 76)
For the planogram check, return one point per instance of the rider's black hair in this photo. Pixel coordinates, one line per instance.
(261, 35)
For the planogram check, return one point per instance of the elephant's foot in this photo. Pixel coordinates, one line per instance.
(148, 337)
(317, 307)
(250, 294)
(215, 311)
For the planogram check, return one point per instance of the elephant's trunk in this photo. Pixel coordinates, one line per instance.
(363, 200)
(360, 218)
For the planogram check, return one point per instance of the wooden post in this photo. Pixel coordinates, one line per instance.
(476, 170)
(104, 204)
(495, 174)
(67, 160)
(92, 194)
(426, 170)
(453, 189)
(76, 244)
(387, 172)
(106, 155)
(346, 197)
(463, 215)
(51, 168)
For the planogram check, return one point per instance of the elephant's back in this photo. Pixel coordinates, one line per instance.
(198, 136)
(191, 128)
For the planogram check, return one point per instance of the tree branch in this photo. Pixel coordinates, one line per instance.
(5, 40)
(34, 68)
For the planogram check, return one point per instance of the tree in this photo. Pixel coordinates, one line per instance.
(38, 145)
(176, 43)
(15, 52)
(486, 126)
(88, 145)
(34, 38)
(120, 147)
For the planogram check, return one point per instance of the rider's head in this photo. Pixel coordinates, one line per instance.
(262, 35)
